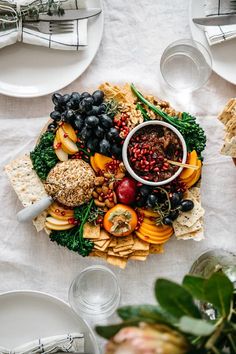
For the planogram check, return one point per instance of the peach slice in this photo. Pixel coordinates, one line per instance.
(69, 131)
(59, 216)
(67, 143)
(196, 176)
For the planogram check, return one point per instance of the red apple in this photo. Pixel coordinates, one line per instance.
(126, 190)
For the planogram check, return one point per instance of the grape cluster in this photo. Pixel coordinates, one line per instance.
(150, 198)
(88, 115)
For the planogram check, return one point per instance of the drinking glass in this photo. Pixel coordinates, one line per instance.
(209, 262)
(95, 292)
(185, 65)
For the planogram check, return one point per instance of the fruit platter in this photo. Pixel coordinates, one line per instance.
(123, 170)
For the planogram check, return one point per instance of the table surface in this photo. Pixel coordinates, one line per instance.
(135, 35)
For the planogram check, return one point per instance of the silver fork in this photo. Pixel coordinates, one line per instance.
(51, 27)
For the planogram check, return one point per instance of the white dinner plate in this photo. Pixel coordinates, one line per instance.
(29, 315)
(32, 71)
(223, 54)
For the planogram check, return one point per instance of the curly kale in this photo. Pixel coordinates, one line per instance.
(73, 239)
(193, 134)
(43, 157)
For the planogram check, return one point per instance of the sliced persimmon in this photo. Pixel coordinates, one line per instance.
(93, 164)
(101, 161)
(192, 160)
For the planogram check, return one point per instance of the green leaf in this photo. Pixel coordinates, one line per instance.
(150, 313)
(195, 285)
(175, 299)
(195, 326)
(219, 292)
(109, 331)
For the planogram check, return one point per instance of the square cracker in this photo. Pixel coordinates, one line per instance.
(189, 218)
(117, 261)
(140, 245)
(104, 235)
(99, 243)
(91, 231)
(126, 240)
(104, 247)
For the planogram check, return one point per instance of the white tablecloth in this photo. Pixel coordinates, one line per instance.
(130, 50)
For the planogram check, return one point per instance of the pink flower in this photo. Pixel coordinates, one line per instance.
(147, 339)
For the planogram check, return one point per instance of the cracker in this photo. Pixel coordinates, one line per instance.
(104, 235)
(123, 248)
(100, 243)
(229, 111)
(117, 261)
(141, 253)
(194, 192)
(91, 231)
(113, 242)
(27, 185)
(140, 245)
(125, 253)
(127, 240)
(196, 236)
(183, 229)
(189, 218)
(100, 254)
(229, 147)
(104, 247)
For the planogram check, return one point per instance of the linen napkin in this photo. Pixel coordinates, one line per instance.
(219, 34)
(75, 40)
(73, 342)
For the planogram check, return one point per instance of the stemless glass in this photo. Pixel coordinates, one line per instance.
(209, 262)
(95, 292)
(185, 65)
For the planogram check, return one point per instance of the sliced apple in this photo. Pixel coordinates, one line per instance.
(58, 227)
(61, 154)
(55, 221)
(59, 216)
(69, 131)
(67, 144)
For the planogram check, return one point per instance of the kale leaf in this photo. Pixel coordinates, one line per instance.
(43, 157)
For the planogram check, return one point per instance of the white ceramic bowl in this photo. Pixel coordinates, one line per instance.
(125, 156)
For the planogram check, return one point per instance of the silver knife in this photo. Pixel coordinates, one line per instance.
(69, 15)
(221, 20)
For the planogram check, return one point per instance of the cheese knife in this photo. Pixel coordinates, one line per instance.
(69, 15)
(221, 20)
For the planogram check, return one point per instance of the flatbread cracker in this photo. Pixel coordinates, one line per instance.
(229, 111)
(196, 236)
(91, 231)
(229, 147)
(189, 218)
(113, 242)
(194, 192)
(27, 185)
(117, 261)
(183, 229)
(125, 253)
(104, 235)
(127, 240)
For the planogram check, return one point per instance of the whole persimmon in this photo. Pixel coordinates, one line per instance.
(121, 220)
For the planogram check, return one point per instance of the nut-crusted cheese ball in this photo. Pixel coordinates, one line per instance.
(71, 183)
